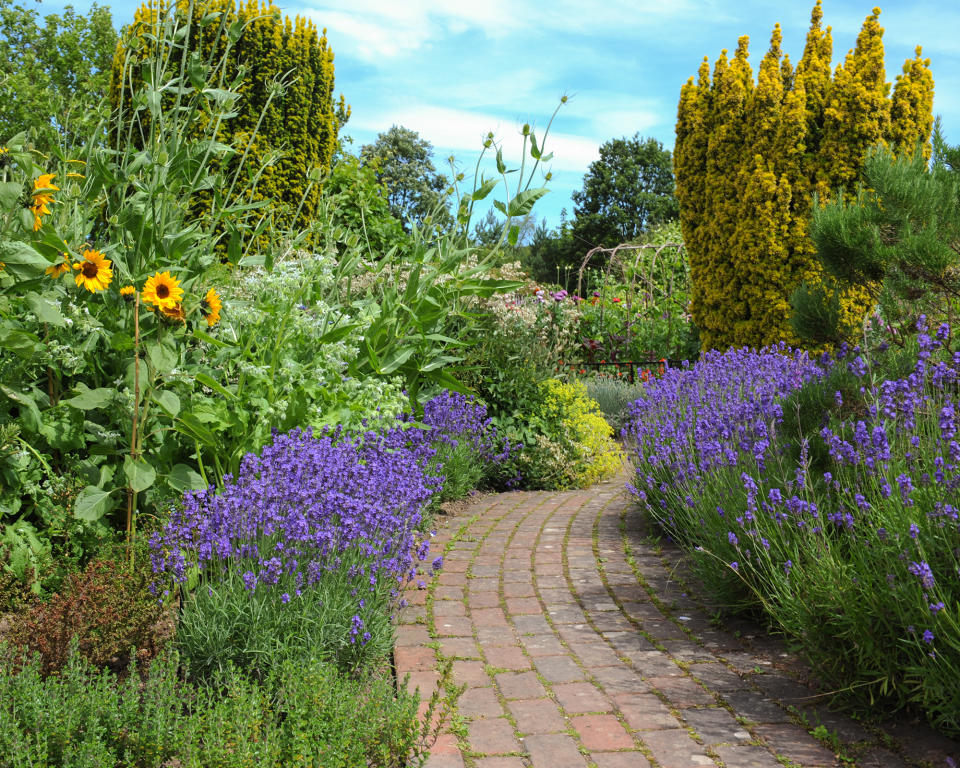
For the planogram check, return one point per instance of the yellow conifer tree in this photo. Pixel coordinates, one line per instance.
(749, 161)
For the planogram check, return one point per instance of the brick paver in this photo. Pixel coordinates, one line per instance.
(580, 643)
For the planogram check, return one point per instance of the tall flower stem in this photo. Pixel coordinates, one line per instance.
(131, 494)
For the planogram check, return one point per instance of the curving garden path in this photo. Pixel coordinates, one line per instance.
(581, 644)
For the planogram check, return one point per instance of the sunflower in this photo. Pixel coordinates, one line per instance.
(210, 307)
(174, 313)
(162, 290)
(127, 292)
(62, 268)
(42, 198)
(4, 158)
(94, 272)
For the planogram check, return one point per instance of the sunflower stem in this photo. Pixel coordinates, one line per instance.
(131, 494)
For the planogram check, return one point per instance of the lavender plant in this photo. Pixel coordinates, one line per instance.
(845, 533)
(305, 551)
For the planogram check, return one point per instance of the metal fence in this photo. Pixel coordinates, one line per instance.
(634, 369)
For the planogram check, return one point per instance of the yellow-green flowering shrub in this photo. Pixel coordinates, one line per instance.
(574, 446)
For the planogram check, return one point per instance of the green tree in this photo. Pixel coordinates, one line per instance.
(357, 203)
(897, 238)
(53, 76)
(750, 159)
(627, 190)
(402, 162)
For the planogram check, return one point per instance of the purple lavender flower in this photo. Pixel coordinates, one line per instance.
(923, 572)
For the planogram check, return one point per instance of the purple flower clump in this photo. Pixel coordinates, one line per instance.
(335, 501)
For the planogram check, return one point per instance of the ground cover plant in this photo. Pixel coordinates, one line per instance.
(822, 492)
(304, 714)
(287, 580)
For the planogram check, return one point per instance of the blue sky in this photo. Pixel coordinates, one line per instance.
(454, 69)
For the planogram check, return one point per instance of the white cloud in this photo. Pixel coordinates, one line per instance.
(379, 30)
(463, 131)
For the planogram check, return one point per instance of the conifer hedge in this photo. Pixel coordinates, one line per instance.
(294, 127)
(750, 157)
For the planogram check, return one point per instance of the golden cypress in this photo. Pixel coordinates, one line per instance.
(750, 159)
(857, 114)
(911, 108)
(760, 243)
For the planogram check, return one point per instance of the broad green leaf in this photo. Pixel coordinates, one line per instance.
(168, 401)
(219, 95)
(189, 425)
(513, 234)
(162, 357)
(183, 478)
(22, 260)
(501, 167)
(440, 362)
(88, 399)
(140, 474)
(19, 342)
(337, 333)
(204, 336)
(534, 149)
(29, 412)
(92, 503)
(45, 310)
(522, 204)
(500, 207)
(395, 359)
(10, 192)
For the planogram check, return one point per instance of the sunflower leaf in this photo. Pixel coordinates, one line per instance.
(140, 474)
(183, 478)
(89, 399)
(168, 401)
(45, 310)
(92, 503)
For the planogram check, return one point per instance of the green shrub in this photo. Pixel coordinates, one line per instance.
(304, 714)
(568, 443)
(105, 611)
(223, 624)
(613, 397)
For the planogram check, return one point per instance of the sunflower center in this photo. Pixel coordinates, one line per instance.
(163, 291)
(89, 270)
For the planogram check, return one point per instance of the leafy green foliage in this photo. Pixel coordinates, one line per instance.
(355, 202)
(223, 624)
(613, 396)
(569, 444)
(53, 77)
(277, 76)
(897, 238)
(625, 192)
(402, 162)
(302, 714)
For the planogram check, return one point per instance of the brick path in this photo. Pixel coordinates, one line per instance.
(580, 644)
